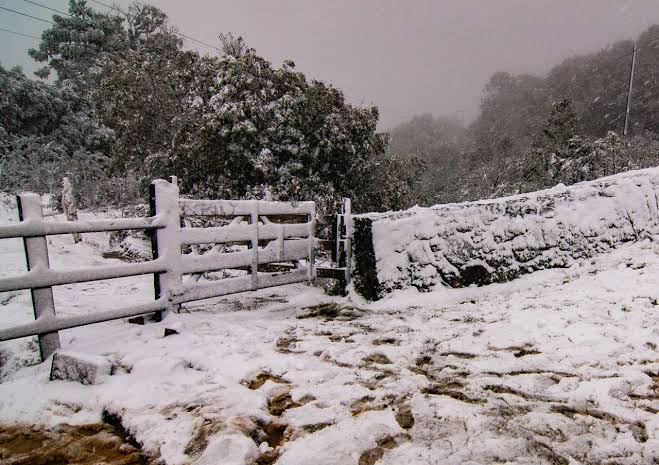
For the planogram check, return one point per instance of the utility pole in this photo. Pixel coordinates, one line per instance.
(629, 92)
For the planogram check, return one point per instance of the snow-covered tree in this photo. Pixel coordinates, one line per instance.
(142, 91)
(46, 134)
(259, 129)
(75, 45)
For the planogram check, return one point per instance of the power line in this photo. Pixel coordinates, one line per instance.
(180, 34)
(47, 7)
(26, 15)
(87, 21)
(636, 49)
(198, 41)
(19, 33)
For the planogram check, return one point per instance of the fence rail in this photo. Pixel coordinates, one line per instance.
(239, 233)
(269, 242)
(244, 207)
(40, 277)
(33, 228)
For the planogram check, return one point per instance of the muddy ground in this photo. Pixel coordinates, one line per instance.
(95, 444)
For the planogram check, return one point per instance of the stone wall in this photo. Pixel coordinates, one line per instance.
(497, 240)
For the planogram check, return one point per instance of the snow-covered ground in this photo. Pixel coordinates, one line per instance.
(558, 367)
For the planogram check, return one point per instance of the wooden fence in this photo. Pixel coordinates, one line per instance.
(268, 228)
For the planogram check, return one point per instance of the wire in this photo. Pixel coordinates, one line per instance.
(19, 33)
(128, 15)
(47, 7)
(627, 54)
(87, 21)
(25, 14)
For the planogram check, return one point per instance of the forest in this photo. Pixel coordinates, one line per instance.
(120, 101)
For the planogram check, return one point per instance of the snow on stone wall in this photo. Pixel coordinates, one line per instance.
(497, 240)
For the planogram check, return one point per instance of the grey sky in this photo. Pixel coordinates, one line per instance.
(406, 57)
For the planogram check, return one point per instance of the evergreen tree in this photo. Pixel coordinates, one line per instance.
(75, 45)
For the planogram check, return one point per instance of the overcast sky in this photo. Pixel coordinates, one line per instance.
(406, 57)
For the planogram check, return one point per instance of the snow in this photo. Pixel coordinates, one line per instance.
(557, 366)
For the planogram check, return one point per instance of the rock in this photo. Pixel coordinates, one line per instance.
(80, 368)
(172, 328)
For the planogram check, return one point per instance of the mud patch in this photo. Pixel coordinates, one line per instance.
(404, 416)
(423, 360)
(204, 429)
(438, 390)
(66, 444)
(518, 351)
(279, 403)
(386, 340)
(500, 389)
(286, 343)
(315, 427)
(259, 380)
(525, 352)
(465, 355)
(274, 434)
(331, 311)
(637, 429)
(371, 456)
(545, 451)
(376, 357)
(364, 404)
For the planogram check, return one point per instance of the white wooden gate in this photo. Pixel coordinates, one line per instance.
(273, 232)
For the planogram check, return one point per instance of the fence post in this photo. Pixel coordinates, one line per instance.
(69, 206)
(347, 243)
(36, 256)
(254, 220)
(166, 242)
(311, 274)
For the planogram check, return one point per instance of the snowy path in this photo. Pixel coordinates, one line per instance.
(560, 367)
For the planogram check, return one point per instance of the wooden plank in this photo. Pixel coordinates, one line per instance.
(347, 244)
(292, 250)
(36, 256)
(44, 277)
(38, 227)
(276, 267)
(166, 242)
(311, 251)
(243, 207)
(244, 233)
(189, 293)
(331, 273)
(334, 237)
(59, 323)
(254, 220)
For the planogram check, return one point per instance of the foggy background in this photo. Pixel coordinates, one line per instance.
(407, 58)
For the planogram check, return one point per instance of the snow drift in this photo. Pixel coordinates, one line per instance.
(497, 240)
